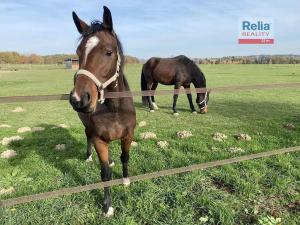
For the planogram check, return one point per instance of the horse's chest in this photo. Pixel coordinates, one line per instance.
(108, 128)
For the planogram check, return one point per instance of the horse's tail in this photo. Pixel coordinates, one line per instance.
(143, 87)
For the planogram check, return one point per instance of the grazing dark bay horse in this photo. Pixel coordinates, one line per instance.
(178, 71)
(101, 69)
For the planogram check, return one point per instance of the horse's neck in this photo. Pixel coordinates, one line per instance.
(117, 86)
(198, 82)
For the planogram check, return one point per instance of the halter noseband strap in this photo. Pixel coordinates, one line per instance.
(101, 86)
(204, 101)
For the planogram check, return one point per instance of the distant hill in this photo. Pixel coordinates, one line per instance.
(16, 58)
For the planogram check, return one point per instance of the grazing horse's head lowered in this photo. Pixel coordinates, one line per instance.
(202, 101)
(100, 59)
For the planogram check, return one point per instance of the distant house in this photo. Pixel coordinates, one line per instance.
(72, 64)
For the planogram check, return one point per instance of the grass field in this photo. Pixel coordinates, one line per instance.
(254, 192)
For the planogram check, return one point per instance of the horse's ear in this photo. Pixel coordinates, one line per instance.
(107, 19)
(80, 24)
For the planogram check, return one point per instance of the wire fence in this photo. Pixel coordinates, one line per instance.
(147, 176)
(127, 94)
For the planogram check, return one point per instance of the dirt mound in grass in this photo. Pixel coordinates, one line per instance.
(148, 135)
(142, 123)
(243, 137)
(184, 134)
(18, 110)
(163, 144)
(219, 136)
(134, 144)
(8, 154)
(8, 140)
(5, 126)
(289, 126)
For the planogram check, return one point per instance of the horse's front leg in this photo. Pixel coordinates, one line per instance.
(175, 97)
(125, 145)
(106, 174)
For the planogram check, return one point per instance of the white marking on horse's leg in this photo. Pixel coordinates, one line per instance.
(194, 112)
(155, 106)
(76, 96)
(89, 159)
(152, 111)
(176, 114)
(90, 44)
(112, 164)
(110, 212)
(126, 181)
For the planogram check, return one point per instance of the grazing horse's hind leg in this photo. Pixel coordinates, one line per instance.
(175, 97)
(189, 96)
(106, 174)
(153, 88)
(151, 107)
(125, 145)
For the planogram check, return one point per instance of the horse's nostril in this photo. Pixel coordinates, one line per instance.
(73, 100)
(88, 96)
(86, 99)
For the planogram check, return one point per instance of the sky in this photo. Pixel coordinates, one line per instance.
(196, 28)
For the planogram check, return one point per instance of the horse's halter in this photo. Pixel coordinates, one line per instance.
(101, 86)
(203, 101)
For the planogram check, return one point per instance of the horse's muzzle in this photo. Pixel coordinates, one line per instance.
(204, 110)
(81, 104)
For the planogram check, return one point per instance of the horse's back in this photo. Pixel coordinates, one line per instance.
(169, 70)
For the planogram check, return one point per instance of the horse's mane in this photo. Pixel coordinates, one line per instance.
(97, 26)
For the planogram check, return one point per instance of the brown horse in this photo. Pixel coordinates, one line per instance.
(101, 69)
(178, 71)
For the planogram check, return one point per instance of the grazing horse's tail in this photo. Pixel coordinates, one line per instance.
(144, 87)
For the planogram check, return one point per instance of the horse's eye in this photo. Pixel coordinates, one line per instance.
(109, 53)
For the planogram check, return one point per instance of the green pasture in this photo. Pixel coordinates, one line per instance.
(264, 191)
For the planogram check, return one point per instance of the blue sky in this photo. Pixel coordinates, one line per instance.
(196, 28)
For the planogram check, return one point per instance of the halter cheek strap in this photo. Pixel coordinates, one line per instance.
(101, 86)
(204, 101)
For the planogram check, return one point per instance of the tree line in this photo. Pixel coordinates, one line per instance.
(17, 58)
(255, 59)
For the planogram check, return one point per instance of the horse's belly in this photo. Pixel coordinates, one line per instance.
(164, 75)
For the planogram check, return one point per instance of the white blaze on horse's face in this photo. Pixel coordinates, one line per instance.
(76, 96)
(90, 44)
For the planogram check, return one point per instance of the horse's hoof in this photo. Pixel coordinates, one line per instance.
(194, 112)
(112, 164)
(176, 114)
(126, 182)
(152, 111)
(110, 212)
(155, 106)
(89, 159)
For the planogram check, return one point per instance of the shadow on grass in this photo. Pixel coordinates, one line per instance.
(40, 146)
(43, 143)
